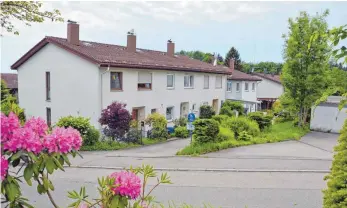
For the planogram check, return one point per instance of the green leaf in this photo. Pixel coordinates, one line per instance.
(32, 156)
(40, 189)
(28, 173)
(16, 155)
(57, 163)
(61, 160)
(12, 191)
(66, 159)
(50, 185)
(115, 201)
(50, 166)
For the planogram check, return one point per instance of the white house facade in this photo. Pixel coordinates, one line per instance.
(243, 87)
(269, 89)
(61, 77)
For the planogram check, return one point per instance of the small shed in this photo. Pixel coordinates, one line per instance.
(326, 117)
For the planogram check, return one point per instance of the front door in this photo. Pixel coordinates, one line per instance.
(215, 105)
(184, 109)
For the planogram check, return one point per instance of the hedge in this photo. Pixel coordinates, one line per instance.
(206, 130)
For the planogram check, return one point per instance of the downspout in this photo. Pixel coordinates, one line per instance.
(108, 69)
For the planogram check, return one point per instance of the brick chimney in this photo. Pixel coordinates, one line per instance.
(131, 42)
(73, 32)
(170, 48)
(232, 64)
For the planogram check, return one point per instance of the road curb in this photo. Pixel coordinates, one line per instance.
(206, 169)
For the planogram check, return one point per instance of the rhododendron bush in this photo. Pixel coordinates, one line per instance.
(36, 150)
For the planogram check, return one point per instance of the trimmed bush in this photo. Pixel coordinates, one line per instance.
(225, 110)
(206, 111)
(335, 196)
(233, 105)
(158, 123)
(206, 130)
(263, 121)
(181, 132)
(220, 118)
(239, 124)
(182, 121)
(92, 136)
(225, 134)
(79, 123)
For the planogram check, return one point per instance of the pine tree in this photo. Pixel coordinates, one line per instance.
(233, 53)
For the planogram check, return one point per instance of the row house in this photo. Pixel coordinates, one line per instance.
(67, 76)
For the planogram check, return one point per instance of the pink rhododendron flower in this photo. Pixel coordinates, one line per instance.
(4, 167)
(62, 140)
(83, 205)
(128, 184)
(23, 138)
(38, 125)
(8, 125)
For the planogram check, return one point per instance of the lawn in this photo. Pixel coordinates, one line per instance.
(276, 133)
(108, 146)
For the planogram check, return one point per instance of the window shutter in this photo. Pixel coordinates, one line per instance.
(145, 77)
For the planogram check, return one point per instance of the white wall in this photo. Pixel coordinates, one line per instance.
(327, 118)
(269, 89)
(160, 97)
(248, 97)
(74, 85)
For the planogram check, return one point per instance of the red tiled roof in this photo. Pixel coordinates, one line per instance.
(238, 75)
(10, 79)
(117, 56)
(274, 78)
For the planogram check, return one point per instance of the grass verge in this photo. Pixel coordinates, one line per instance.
(108, 146)
(276, 133)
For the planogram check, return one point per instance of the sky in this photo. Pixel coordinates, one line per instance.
(254, 28)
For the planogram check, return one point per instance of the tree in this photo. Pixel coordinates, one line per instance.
(116, 119)
(201, 56)
(9, 103)
(233, 53)
(262, 67)
(304, 70)
(25, 11)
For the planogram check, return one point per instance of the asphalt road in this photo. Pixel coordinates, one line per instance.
(282, 175)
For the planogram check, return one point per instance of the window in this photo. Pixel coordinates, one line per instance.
(206, 82)
(169, 113)
(116, 81)
(144, 81)
(246, 86)
(253, 86)
(48, 116)
(48, 86)
(194, 107)
(188, 81)
(218, 82)
(153, 110)
(170, 81)
(237, 87)
(229, 86)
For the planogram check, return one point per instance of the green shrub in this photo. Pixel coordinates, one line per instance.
(181, 132)
(182, 121)
(206, 111)
(9, 103)
(225, 134)
(244, 136)
(263, 121)
(220, 118)
(79, 123)
(239, 124)
(335, 196)
(92, 136)
(158, 123)
(234, 105)
(206, 130)
(225, 110)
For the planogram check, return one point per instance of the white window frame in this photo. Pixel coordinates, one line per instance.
(246, 88)
(208, 81)
(221, 82)
(138, 81)
(172, 113)
(238, 87)
(253, 86)
(173, 81)
(229, 86)
(191, 85)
